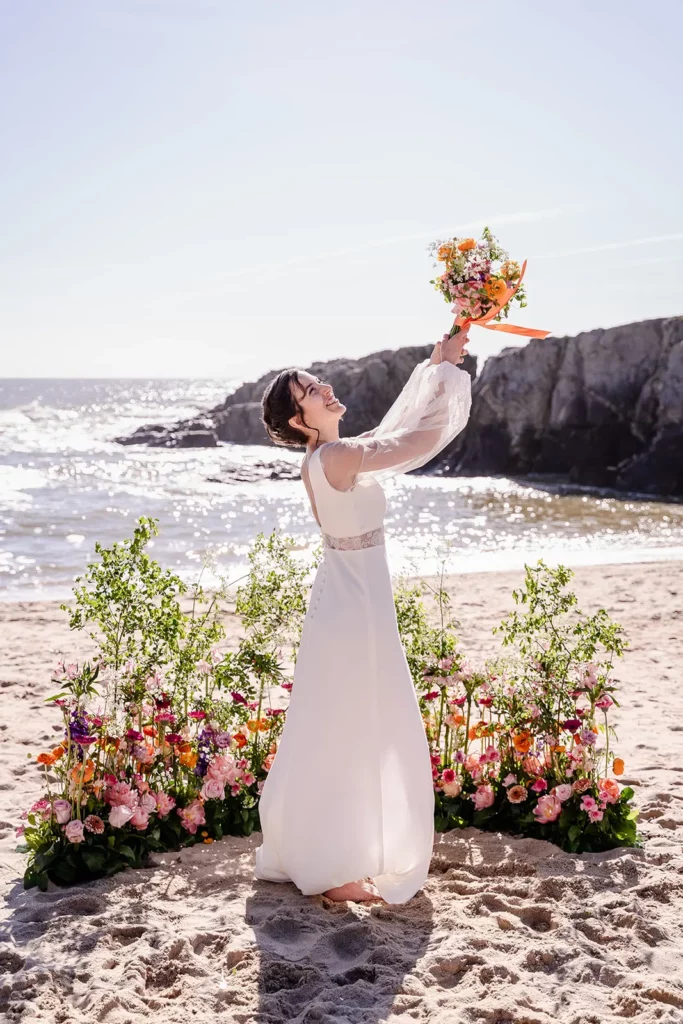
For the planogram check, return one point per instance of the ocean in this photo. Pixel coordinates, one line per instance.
(65, 484)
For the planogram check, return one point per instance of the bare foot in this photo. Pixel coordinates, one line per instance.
(356, 891)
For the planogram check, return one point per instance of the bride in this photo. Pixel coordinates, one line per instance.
(347, 809)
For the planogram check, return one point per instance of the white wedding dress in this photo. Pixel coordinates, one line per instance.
(350, 792)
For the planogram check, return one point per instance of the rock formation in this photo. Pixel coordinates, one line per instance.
(604, 408)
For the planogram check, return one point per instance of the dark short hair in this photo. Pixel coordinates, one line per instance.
(278, 405)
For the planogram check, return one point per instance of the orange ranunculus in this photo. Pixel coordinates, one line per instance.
(445, 252)
(185, 747)
(467, 243)
(522, 742)
(83, 772)
(57, 752)
(495, 288)
(240, 739)
(188, 760)
(618, 766)
(46, 759)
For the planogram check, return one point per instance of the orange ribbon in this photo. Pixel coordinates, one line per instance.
(529, 332)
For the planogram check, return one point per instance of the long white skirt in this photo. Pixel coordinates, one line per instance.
(350, 793)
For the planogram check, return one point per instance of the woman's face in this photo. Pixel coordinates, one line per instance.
(318, 401)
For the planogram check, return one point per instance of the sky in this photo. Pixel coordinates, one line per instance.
(203, 188)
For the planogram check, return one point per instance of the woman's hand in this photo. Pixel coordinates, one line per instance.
(451, 350)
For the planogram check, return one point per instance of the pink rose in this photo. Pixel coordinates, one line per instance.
(192, 816)
(483, 797)
(62, 810)
(165, 803)
(539, 786)
(588, 803)
(453, 788)
(547, 808)
(140, 818)
(74, 831)
(119, 815)
(213, 789)
(563, 792)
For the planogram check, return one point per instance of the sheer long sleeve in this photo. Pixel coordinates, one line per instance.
(430, 411)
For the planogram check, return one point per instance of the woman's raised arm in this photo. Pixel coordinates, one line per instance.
(431, 410)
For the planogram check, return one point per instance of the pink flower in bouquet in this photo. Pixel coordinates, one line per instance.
(213, 789)
(491, 755)
(260, 786)
(483, 797)
(119, 815)
(588, 803)
(216, 656)
(547, 808)
(595, 814)
(234, 790)
(563, 792)
(581, 785)
(148, 802)
(119, 794)
(472, 763)
(268, 762)
(164, 803)
(248, 778)
(42, 808)
(539, 786)
(571, 724)
(604, 703)
(197, 715)
(223, 739)
(222, 768)
(94, 823)
(204, 668)
(192, 816)
(516, 794)
(74, 831)
(589, 737)
(62, 811)
(239, 699)
(432, 695)
(459, 701)
(608, 790)
(165, 716)
(140, 819)
(448, 775)
(19, 831)
(285, 686)
(510, 780)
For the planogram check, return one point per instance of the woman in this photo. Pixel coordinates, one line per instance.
(349, 798)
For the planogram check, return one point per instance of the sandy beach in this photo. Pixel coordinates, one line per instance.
(504, 931)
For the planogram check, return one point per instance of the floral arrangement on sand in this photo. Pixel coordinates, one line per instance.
(167, 737)
(523, 744)
(481, 281)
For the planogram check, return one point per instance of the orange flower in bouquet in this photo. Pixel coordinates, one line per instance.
(481, 281)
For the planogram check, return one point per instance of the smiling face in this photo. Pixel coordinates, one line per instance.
(321, 409)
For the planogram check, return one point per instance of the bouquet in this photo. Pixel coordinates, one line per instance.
(481, 281)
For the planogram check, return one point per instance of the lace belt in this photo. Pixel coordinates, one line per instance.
(362, 540)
